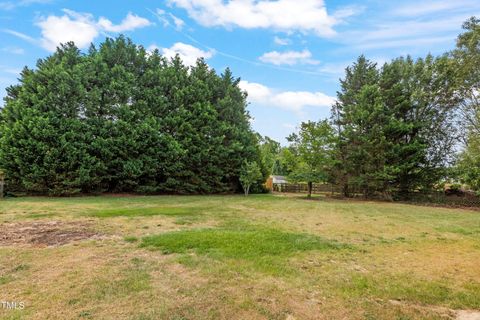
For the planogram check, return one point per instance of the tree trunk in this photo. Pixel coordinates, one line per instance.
(246, 189)
(310, 187)
(346, 192)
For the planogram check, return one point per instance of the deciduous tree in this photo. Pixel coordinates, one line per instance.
(312, 146)
(250, 173)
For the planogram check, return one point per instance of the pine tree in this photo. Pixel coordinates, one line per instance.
(395, 126)
(118, 119)
(358, 119)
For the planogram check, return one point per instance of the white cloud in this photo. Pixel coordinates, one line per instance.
(179, 23)
(256, 92)
(297, 100)
(348, 11)
(130, 22)
(288, 58)
(335, 69)
(412, 26)
(433, 6)
(78, 27)
(167, 19)
(289, 100)
(188, 53)
(409, 34)
(82, 28)
(20, 35)
(284, 15)
(10, 70)
(161, 16)
(416, 42)
(10, 5)
(281, 41)
(13, 50)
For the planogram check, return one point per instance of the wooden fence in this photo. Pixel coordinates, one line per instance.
(465, 199)
(303, 187)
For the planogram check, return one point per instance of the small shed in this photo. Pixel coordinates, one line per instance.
(279, 179)
(275, 180)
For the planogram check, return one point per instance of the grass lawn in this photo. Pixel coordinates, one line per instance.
(231, 257)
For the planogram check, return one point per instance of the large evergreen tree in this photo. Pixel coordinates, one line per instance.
(358, 118)
(120, 119)
(420, 102)
(395, 125)
(467, 61)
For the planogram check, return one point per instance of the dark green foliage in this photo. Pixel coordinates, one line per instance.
(421, 134)
(276, 159)
(467, 59)
(357, 118)
(313, 148)
(285, 162)
(269, 151)
(468, 165)
(395, 125)
(117, 119)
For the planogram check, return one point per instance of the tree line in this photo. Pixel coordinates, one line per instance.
(395, 128)
(120, 119)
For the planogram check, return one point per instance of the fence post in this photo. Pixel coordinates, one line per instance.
(2, 183)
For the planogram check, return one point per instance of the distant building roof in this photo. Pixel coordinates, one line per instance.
(279, 179)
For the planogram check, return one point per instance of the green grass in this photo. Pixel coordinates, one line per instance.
(5, 279)
(264, 249)
(130, 239)
(407, 287)
(244, 242)
(134, 280)
(463, 230)
(236, 257)
(144, 212)
(40, 215)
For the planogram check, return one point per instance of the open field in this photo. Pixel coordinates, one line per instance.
(231, 257)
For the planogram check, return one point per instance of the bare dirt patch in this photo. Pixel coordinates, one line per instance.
(468, 315)
(44, 234)
(447, 313)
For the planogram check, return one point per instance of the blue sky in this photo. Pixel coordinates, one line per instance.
(289, 53)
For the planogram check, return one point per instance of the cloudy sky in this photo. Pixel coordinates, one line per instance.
(288, 53)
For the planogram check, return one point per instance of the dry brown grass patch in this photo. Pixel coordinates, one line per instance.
(42, 234)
